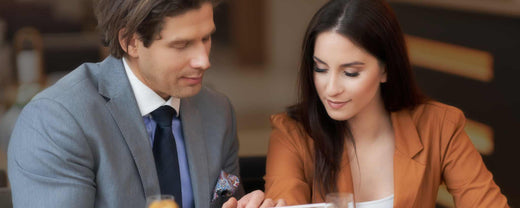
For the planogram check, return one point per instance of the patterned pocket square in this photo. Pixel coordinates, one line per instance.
(227, 185)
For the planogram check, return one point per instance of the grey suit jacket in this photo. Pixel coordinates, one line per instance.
(82, 143)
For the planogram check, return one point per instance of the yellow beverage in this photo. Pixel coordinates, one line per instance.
(166, 203)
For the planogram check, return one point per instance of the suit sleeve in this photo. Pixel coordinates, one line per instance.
(464, 172)
(231, 161)
(50, 164)
(285, 174)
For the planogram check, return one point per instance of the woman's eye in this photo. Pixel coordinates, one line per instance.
(316, 69)
(355, 74)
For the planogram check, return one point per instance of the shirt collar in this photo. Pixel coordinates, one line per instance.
(147, 99)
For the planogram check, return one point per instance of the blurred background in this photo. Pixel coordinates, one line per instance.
(464, 52)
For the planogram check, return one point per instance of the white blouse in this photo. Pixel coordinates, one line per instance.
(380, 203)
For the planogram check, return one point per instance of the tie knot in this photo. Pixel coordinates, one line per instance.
(163, 116)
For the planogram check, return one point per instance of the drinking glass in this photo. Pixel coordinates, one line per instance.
(340, 200)
(161, 201)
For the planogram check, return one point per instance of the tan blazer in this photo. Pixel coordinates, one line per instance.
(431, 147)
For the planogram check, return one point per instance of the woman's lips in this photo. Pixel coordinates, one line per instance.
(337, 104)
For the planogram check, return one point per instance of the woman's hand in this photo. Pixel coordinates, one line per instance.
(254, 199)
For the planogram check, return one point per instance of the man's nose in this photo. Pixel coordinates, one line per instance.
(201, 58)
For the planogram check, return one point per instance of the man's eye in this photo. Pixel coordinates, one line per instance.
(180, 45)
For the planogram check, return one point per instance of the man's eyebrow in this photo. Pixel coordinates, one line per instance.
(186, 40)
(342, 65)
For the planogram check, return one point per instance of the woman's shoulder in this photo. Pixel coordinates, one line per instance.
(437, 111)
(290, 128)
(284, 120)
(434, 125)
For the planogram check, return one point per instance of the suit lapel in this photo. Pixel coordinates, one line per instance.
(121, 103)
(196, 152)
(408, 170)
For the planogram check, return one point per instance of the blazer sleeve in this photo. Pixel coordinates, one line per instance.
(464, 172)
(231, 160)
(285, 170)
(49, 162)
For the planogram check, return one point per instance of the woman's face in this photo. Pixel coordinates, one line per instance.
(347, 78)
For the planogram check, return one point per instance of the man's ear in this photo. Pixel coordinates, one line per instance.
(129, 44)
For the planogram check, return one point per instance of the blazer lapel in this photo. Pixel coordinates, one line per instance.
(121, 103)
(408, 171)
(196, 152)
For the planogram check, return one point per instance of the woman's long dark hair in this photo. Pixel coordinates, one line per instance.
(371, 25)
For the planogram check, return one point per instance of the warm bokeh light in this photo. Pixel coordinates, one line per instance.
(450, 58)
(481, 135)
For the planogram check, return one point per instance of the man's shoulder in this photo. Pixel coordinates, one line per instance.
(81, 79)
(81, 83)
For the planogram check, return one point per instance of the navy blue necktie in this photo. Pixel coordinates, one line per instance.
(165, 153)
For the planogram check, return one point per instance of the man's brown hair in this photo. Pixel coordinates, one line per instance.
(142, 17)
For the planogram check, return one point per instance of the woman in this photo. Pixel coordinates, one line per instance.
(362, 126)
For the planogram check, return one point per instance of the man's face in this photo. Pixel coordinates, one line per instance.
(174, 64)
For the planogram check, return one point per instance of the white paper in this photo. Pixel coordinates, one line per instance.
(318, 205)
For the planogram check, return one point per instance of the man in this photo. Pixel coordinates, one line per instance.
(138, 124)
